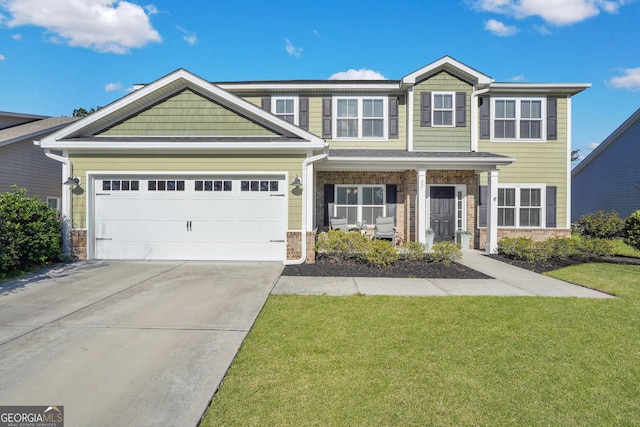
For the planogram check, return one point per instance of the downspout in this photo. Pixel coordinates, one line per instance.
(66, 199)
(308, 162)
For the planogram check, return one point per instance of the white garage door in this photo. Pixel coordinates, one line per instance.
(208, 218)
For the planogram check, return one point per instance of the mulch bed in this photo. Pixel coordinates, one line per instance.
(554, 264)
(400, 269)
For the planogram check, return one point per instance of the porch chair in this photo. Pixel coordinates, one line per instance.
(339, 224)
(385, 228)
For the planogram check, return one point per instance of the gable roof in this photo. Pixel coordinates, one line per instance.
(452, 66)
(608, 141)
(33, 129)
(82, 134)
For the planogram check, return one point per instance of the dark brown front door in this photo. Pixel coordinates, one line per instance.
(443, 215)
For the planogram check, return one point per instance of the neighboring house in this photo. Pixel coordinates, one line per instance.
(24, 164)
(608, 179)
(187, 169)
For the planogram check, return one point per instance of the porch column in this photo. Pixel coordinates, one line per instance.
(492, 212)
(308, 181)
(422, 205)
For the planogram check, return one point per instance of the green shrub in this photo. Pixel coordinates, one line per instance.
(413, 251)
(600, 225)
(445, 252)
(632, 230)
(523, 248)
(30, 233)
(342, 245)
(598, 247)
(381, 253)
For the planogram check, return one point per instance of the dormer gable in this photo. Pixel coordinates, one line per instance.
(451, 66)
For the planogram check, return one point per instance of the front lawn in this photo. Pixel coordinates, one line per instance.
(359, 360)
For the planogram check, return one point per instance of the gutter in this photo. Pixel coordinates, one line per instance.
(305, 165)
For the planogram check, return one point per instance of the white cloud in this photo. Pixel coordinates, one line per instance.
(17, 37)
(500, 29)
(554, 12)
(101, 25)
(593, 145)
(630, 80)
(292, 50)
(518, 78)
(2, 57)
(189, 37)
(361, 74)
(316, 33)
(110, 87)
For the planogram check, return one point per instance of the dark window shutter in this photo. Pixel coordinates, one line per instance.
(461, 109)
(551, 206)
(392, 200)
(483, 206)
(303, 113)
(326, 117)
(393, 117)
(552, 117)
(485, 117)
(266, 103)
(329, 194)
(425, 109)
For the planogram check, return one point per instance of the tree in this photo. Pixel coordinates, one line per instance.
(575, 155)
(81, 112)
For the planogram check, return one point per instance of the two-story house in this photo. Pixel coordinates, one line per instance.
(183, 168)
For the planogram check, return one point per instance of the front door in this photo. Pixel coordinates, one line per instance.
(443, 214)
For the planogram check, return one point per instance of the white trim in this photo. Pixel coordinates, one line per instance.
(409, 119)
(568, 181)
(453, 109)
(296, 106)
(359, 205)
(360, 117)
(422, 206)
(542, 88)
(491, 245)
(457, 188)
(184, 146)
(446, 62)
(518, 118)
(543, 204)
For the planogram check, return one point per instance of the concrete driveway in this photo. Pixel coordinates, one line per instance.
(127, 343)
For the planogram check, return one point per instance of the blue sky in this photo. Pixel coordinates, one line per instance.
(58, 55)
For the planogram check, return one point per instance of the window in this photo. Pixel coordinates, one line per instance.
(211, 185)
(360, 203)
(520, 206)
(518, 118)
(53, 203)
(357, 117)
(262, 185)
(168, 185)
(443, 109)
(285, 108)
(120, 185)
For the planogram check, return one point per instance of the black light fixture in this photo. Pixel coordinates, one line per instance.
(72, 180)
(296, 182)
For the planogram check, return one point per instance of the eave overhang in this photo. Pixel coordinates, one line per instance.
(568, 89)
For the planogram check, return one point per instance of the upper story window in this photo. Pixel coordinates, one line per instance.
(286, 108)
(518, 119)
(443, 109)
(360, 117)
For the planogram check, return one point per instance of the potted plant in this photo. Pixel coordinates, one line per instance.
(463, 237)
(429, 234)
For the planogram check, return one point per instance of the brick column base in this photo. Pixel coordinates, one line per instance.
(79, 244)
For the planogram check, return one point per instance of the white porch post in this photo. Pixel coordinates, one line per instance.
(309, 182)
(422, 205)
(492, 212)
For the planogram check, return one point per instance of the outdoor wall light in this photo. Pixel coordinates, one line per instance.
(72, 180)
(296, 182)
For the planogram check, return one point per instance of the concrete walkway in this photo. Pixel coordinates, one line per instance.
(507, 280)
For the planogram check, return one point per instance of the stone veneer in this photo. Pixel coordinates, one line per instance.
(79, 244)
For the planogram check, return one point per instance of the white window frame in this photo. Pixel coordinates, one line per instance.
(518, 206)
(518, 118)
(360, 204)
(294, 98)
(58, 201)
(360, 117)
(452, 109)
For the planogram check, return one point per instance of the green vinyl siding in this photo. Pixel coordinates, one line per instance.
(207, 164)
(187, 114)
(537, 162)
(441, 138)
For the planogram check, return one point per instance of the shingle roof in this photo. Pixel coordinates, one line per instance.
(20, 132)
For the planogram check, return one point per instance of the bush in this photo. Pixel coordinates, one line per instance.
(381, 253)
(600, 225)
(30, 234)
(525, 249)
(445, 252)
(599, 247)
(413, 251)
(632, 230)
(342, 245)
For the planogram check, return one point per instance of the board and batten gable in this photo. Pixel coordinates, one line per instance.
(441, 138)
(610, 181)
(538, 162)
(191, 164)
(187, 114)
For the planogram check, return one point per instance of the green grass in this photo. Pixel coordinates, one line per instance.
(370, 361)
(623, 249)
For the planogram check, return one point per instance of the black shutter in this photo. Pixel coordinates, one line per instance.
(392, 194)
(425, 109)
(483, 206)
(393, 117)
(326, 117)
(552, 118)
(329, 194)
(551, 206)
(266, 103)
(461, 109)
(485, 117)
(303, 113)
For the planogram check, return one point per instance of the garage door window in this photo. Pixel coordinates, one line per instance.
(213, 185)
(165, 185)
(120, 185)
(259, 185)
